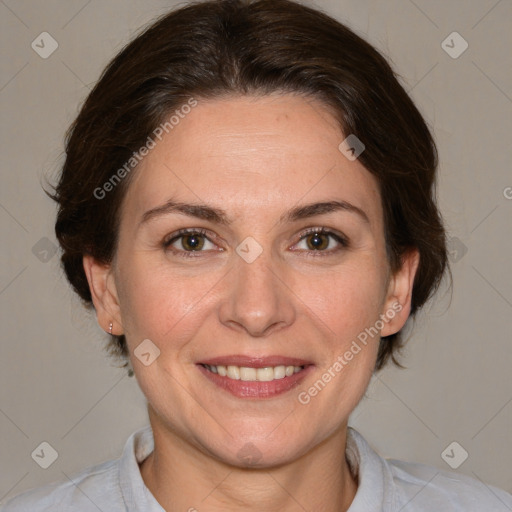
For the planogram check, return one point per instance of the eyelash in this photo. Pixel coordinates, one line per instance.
(180, 234)
(167, 244)
(342, 241)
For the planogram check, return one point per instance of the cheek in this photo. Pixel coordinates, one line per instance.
(347, 299)
(154, 300)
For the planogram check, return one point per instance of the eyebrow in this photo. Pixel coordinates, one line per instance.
(310, 210)
(219, 216)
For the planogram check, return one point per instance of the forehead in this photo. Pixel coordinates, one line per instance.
(245, 153)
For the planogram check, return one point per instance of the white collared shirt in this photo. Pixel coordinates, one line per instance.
(383, 486)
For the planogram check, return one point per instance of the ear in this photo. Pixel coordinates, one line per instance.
(397, 306)
(104, 294)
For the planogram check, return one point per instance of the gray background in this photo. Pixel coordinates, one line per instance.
(56, 383)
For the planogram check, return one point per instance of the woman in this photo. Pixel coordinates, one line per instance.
(247, 201)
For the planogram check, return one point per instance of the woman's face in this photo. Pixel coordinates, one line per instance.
(254, 283)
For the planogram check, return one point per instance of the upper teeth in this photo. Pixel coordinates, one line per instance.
(253, 374)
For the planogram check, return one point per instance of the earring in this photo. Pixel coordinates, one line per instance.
(110, 328)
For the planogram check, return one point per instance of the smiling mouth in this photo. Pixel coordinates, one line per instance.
(249, 374)
(263, 379)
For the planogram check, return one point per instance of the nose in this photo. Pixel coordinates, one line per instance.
(257, 298)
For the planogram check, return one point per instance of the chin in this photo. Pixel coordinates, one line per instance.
(258, 454)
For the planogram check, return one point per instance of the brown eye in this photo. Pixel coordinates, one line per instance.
(192, 242)
(317, 241)
(188, 242)
(321, 241)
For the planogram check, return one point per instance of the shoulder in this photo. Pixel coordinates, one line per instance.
(390, 485)
(91, 489)
(420, 487)
(108, 486)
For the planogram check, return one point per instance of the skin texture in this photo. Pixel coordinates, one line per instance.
(256, 158)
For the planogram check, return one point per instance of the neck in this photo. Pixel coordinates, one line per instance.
(182, 477)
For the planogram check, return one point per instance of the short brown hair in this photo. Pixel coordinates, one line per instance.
(219, 48)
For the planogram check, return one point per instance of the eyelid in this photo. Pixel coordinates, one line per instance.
(339, 237)
(169, 239)
(173, 237)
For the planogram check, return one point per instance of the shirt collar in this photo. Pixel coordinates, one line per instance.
(375, 489)
(136, 495)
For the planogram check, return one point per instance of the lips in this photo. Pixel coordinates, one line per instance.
(255, 377)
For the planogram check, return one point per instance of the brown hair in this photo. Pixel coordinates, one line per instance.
(222, 47)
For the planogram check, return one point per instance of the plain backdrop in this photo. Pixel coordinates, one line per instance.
(57, 385)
